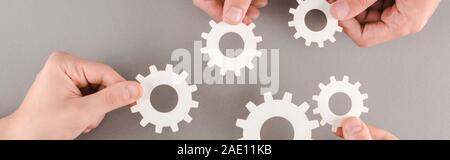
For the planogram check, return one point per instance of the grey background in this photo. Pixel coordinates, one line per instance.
(407, 80)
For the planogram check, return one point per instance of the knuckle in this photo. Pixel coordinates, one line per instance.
(363, 3)
(404, 31)
(362, 43)
(110, 99)
(197, 2)
(57, 56)
(417, 28)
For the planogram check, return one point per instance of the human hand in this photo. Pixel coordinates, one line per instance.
(371, 22)
(232, 11)
(355, 129)
(55, 106)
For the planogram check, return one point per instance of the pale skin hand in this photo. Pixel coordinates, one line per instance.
(355, 129)
(55, 108)
(372, 22)
(232, 11)
(366, 22)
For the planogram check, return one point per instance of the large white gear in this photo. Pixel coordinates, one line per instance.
(309, 35)
(271, 108)
(327, 91)
(181, 110)
(217, 58)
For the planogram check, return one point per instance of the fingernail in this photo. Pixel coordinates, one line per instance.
(341, 9)
(234, 14)
(353, 128)
(132, 92)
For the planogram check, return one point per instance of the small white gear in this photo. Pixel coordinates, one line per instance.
(319, 37)
(327, 91)
(181, 110)
(225, 63)
(271, 108)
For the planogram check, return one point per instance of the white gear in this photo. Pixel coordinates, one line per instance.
(284, 108)
(327, 91)
(181, 110)
(310, 36)
(226, 63)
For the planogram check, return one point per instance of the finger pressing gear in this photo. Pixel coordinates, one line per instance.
(327, 91)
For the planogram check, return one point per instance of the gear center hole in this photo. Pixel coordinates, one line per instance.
(340, 104)
(231, 45)
(277, 128)
(316, 20)
(164, 98)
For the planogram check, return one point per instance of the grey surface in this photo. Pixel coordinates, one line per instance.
(407, 80)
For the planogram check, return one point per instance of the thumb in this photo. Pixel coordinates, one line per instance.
(355, 129)
(234, 11)
(113, 97)
(347, 9)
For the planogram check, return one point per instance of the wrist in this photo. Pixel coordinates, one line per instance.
(11, 128)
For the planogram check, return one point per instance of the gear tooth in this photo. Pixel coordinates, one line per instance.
(194, 104)
(169, 68)
(339, 29)
(204, 50)
(291, 24)
(365, 96)
(192, 88)
(205, 35)
(304, 107)
(287, 97)
(321, 86)
(223, 71)
(297, 35)
(316, 111)
(308, 43)
(135, 109)
(250, 66)
(268, 97)
(211, 64)
(315, 97)
(212, 23)
(332, 79)
(241, 123)
(188, 119)
(184, 75)
(321, 45)
(237, 73)
(153, 69)
(174, 127)
(314, 124)
(357, 85)
(323, 122)
(292, 11)
(158, 129)
(250, 106)
(258, 39)
(364, 109)
(140, 78)
(345, 79)
(332, 39)
(258, 54)
(334, 128)
(143, 122)
(251, 26)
